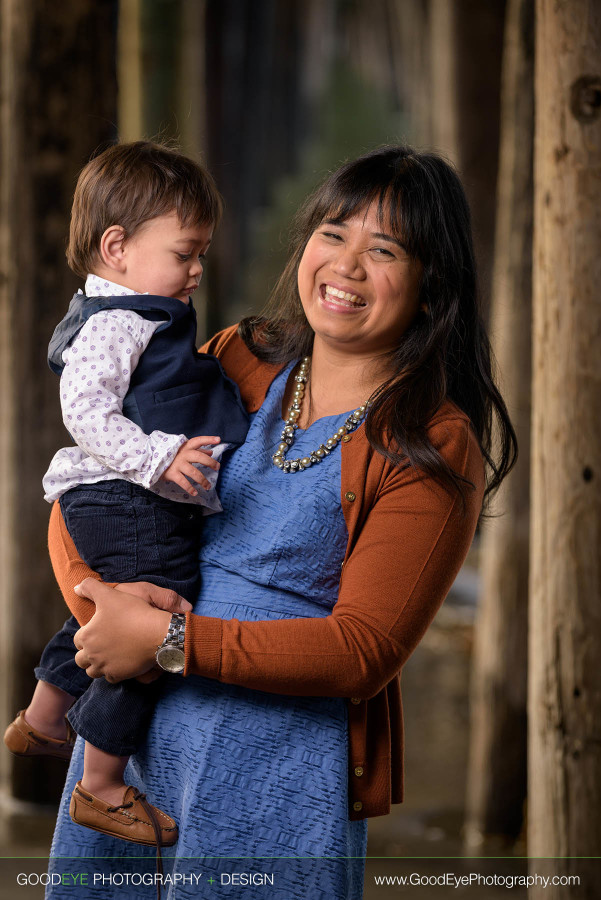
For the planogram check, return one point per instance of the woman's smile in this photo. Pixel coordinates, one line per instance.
(338, 299)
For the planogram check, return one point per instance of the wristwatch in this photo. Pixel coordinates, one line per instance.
(170, 654)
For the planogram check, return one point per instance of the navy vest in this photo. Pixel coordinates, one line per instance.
(174, 388)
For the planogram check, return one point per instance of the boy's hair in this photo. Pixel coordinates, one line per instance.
(129, 184)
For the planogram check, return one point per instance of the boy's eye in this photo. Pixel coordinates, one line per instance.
(184, 257)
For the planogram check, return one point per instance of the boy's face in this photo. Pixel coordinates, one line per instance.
(165, 259)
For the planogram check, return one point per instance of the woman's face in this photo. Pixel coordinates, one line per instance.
(358, 286)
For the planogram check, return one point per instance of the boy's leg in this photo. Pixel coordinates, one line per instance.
(57, 664)
(156, 540)
(47, 710)
(42, 729)
(113, 717)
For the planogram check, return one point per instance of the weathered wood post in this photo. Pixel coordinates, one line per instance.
(58, 103)
(497, 769)
(564, 771)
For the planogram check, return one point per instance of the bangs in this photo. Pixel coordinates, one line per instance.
(353, 192)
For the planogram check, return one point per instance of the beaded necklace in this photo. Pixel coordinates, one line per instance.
(290, 426)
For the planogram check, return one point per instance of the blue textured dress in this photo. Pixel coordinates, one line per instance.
(247, 773)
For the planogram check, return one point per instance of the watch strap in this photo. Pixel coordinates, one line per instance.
(176, 633)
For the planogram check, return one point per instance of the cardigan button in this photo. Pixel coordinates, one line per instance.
(350, 496)
(357, 806)
(358, 771)
(356, 700)
(347, 438)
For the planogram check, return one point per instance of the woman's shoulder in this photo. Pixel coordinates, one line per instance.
(449, 431)
(224, 339)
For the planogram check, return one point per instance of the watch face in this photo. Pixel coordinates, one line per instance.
(171, 659)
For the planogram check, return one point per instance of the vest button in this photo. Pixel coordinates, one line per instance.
(356, 700)
(350, 496)
(358, 771)
(357, 806)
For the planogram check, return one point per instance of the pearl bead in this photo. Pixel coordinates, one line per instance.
(319, 453)
(306, 462)
(341, 432)
(282, 447)
(330, 443)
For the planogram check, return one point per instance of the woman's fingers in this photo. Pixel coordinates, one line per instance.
(159, 597)
(170, 601)
(121, 638)
(87, 588)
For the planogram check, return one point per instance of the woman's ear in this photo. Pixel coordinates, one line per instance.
(111, 248)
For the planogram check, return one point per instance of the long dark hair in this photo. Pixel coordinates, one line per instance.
(445, 353)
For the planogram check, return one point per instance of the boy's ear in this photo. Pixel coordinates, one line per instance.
(111, 248)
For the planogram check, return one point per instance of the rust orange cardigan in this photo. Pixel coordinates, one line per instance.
(407, 540)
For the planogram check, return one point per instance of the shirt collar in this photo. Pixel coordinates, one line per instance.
(100, 287)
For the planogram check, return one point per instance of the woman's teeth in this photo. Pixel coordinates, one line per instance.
(342, 298)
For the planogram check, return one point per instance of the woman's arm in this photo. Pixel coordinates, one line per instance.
(70, 570)
(410, 549)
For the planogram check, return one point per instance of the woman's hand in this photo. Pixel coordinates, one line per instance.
(121, 638)
(159, 597)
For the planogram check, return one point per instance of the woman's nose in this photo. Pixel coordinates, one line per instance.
(348, 263)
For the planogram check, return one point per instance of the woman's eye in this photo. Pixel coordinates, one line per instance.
(331, 234)
(386, 255)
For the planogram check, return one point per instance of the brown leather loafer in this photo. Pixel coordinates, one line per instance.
(133, 820)
(23, 740)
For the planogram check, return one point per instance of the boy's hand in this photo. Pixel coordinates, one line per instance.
(181, 468)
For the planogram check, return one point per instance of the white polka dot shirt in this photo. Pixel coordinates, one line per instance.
(98, 367)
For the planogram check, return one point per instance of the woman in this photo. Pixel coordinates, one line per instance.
(287, 732)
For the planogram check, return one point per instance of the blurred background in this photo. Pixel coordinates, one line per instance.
(272, 94)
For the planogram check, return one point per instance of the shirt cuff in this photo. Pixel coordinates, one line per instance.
(203, 646)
